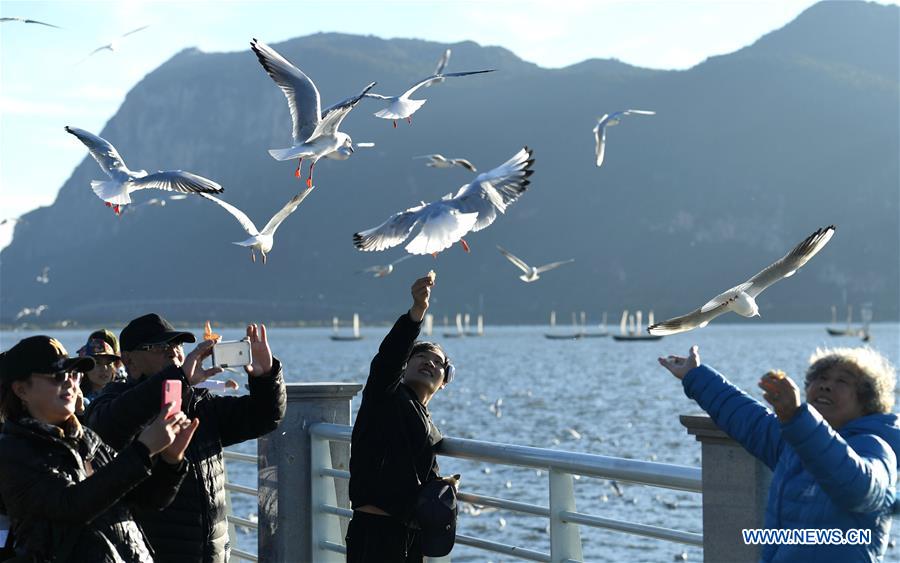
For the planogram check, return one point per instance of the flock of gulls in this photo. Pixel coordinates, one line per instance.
(431, 227)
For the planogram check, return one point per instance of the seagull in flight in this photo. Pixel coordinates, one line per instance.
(382, 271)
(26, 20)
(28, 311)
(344, 153)
(44, 276)
(441, 161)
(439, 69)
(117, 191)
(113, 45)
(531, 273)
(261, 240)
(315, 132)
(608, 120)
(402, 107)
(447, 220)
(742, 298)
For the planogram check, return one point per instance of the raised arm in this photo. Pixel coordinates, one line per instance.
(387, 366)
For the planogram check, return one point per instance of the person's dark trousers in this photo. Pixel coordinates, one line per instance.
(381, 539)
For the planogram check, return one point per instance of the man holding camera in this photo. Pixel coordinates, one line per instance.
(392, 447)
(193, 527)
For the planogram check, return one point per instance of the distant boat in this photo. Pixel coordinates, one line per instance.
(849, 330)
(343, 338)
(479, 327)
(555, 336)
(866, 315)
(429, 324)
(602, 332)
(459, 328)
(630, 328)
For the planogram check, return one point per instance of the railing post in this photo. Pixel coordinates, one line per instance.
(285, 529)
(735, 488)
(565, 539)
(325, 527)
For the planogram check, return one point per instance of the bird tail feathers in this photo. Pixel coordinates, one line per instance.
(111, 192)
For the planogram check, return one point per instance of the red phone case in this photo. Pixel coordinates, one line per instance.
(171, 394)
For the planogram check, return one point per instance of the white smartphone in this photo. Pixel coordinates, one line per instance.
(231, 354)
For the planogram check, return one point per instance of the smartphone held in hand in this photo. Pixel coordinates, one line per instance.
(232, 354)
(171, 395)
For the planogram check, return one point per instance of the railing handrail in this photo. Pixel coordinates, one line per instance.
(652, 473)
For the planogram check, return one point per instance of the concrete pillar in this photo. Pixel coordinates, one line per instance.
(285, 529)
(735, 489)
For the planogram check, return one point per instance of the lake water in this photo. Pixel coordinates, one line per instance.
(614, 395)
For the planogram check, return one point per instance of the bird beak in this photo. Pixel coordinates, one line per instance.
(350, 147)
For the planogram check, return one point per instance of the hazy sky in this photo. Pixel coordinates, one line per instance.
(47, 82)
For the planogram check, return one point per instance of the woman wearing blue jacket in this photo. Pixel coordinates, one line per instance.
(834, 457)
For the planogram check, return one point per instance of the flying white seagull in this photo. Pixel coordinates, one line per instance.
(608, 120)
(439, 69)
(261, 240)
(315, 132)
(742, 298)
(385, 270)
(441, 161)
(531, 273)
(113, 45)
(44, 276)
(117, 192)
(344, 153)
(402, 107)
(26, 20)
(447, 220)
(28, 311)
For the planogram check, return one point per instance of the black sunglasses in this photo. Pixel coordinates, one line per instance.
(60, 377)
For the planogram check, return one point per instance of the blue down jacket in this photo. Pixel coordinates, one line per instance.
(822, 479)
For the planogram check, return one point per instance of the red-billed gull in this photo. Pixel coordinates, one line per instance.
(531, 273)
(608, 120)
(441, 161)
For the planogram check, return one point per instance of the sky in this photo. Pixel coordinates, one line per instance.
(47, 79)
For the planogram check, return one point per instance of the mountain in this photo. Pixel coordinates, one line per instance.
(748, 154)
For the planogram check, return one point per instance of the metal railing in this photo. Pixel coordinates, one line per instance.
(235, 520)
(565, 537)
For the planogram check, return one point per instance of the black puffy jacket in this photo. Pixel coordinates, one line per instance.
(59, 512)
(193, 528)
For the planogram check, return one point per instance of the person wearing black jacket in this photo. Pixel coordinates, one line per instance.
(393, 440)
(68, 494)
(193, 528)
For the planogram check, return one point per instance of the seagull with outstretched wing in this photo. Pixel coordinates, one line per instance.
(608, 120)
(742, 298)
(381, 271)
(402, 107)
(26, 20)
(445, 221)
(441, 66)
(117, 191)
(113, 45)
(261, 240)
(531, 273)
(314, 132)
(441, 161)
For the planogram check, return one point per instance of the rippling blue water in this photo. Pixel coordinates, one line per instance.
(613, 394)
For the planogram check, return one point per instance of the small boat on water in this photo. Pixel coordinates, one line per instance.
(479, 326)
(428, 326)
(562, 336)
(603, 332)
(849, 330)
(346, 337)
(460, 333)
(630, 328)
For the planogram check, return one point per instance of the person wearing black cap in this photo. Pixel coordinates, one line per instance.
(393, 440)
(68, 494)
(193, 528)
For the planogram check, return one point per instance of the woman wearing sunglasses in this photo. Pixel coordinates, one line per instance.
(105, 367)
(66, 492)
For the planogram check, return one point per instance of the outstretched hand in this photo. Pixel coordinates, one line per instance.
(782, 393)
(679, 366)
(421, 293)
(259, 349)
(192, 368)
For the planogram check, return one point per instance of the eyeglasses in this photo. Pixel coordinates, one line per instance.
(60, 377)
(160, 347)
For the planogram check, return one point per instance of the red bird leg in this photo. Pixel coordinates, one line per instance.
(309, 178)
(299, 164)
(434, 255)
(395, 124)
(464, 244)
(117, 211)
(107, 204)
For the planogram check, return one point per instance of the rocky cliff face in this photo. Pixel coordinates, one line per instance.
(748, 154)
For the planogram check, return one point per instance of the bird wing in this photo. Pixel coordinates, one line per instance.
(177, 181)
(301, 93)
(102, 150)
(791, 262)
(334, 115)
(519, 263)
(442, 63)
(435, 77)
(684, 323)
(390, 233)
(378, 97)
(637, 112)
(401, 259)
(442, 226)
(242, 218)
(494, 190)
(600, 138)
(288, 208)
(464, 163)
(143, 27)
(30, 21)
(725, 297)
(551, 265)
